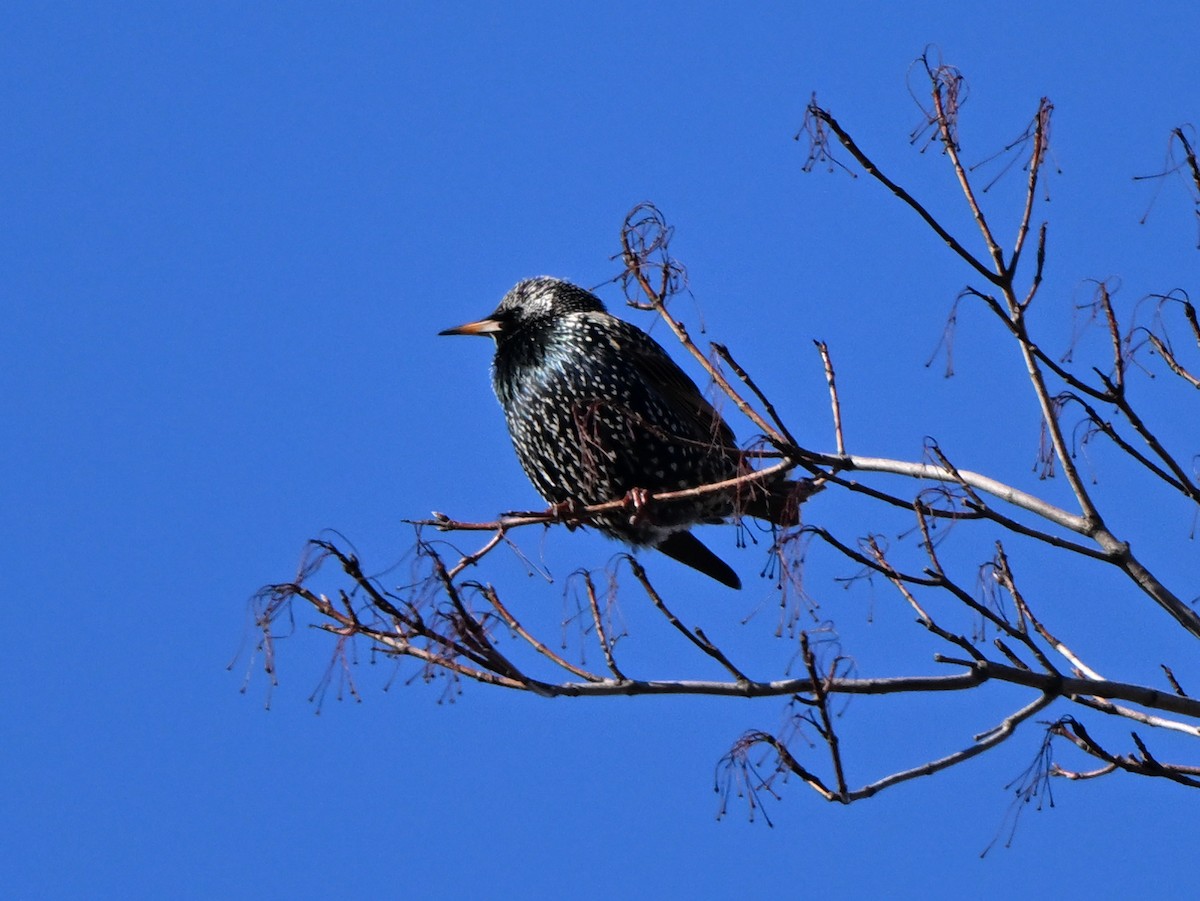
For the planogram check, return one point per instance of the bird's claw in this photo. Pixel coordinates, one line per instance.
(637, 501)
(568, 512)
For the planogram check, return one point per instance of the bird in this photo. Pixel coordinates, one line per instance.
(598, 411)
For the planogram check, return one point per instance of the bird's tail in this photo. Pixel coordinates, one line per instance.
(690, 551)
(778, 502)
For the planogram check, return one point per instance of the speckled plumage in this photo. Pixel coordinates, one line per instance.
(596, 408)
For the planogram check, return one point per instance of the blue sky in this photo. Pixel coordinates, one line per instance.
(232, 234)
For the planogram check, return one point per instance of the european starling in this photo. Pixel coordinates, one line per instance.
(597, 409)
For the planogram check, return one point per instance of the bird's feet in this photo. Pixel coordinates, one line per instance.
(638, 502)
(568, 512)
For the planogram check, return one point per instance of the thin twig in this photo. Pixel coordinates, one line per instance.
(951, 147)
(831, 380)
(1041, 126)
(876, 173)
(1158, 722)
(821, 698)
(986, 740)
(601, 635)
(493, 598)
(698, 638)
(723, 352)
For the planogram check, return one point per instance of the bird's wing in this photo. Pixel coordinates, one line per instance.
(678, 390)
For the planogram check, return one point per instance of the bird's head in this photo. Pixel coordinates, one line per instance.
(532, 302)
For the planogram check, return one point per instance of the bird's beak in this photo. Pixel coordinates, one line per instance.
(482, 327)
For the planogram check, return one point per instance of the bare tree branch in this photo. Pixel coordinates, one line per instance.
(992, 625)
